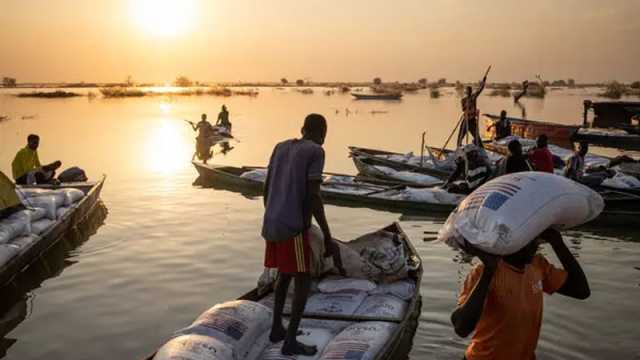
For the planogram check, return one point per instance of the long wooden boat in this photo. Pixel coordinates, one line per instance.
(399, 344)
(392, 160)
(31, 252)
(387, 96)
(617, 139)
(369, 170)
(559, 134)
(351, 193)
(612, 113)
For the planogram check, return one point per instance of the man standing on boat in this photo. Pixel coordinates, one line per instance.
(26, 166)
(291, 198)
(501, 301)
(470, 114)
(223, 119)
(203, 140)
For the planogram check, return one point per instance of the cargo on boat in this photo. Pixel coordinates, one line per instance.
(339, 189)
(345, 317)
(54, 218)
(441, 168)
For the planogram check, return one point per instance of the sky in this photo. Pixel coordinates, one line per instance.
(329, 40)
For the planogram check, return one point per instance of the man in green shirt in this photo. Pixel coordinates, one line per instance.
(9, 201)
(26, 166)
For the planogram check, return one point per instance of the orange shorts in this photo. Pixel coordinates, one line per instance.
(289, 256)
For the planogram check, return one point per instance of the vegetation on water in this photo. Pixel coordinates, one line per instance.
(119, 92)
(616, 90)
(503, 92)
(434, 92)
(49, 94)
(9, 82)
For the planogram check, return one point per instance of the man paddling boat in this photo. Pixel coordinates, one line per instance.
(470, 114)
(501, 301)
(291, 198)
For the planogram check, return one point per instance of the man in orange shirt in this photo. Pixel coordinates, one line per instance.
(501, 299)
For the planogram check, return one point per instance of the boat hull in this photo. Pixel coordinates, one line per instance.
(52, 235)
(558, 134)
(398, 346)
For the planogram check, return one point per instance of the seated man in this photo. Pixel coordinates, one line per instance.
(9, 201)
(502, 126)
(223, 118)
(501, 301)
(540, 156)
(472, 167)
(516, 161)
(575, 168)
(26, 166)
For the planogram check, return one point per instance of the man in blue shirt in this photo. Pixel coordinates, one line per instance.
(291, 198)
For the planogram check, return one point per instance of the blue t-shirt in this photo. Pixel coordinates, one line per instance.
(293, 163)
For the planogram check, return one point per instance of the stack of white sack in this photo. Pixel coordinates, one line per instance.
(377, 256)
(361, 341)
(622, 181)
(56, 203)
(505, 214)
(409, 176)
(17, 224)
(226, 331)
(255, 175)
(433, 195)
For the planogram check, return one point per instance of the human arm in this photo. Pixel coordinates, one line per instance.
(525, 86)
(576, 284)
(466, 316)
(482, 84)
(456, 173)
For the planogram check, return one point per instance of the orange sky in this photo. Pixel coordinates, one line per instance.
(330, 40)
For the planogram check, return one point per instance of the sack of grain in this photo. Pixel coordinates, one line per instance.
(194, 347)
(360, 341)
(505, 214)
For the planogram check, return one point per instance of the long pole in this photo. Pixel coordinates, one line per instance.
(422, 150)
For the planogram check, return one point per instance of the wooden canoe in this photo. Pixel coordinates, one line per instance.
(400, 342)
(229, 178)
(383, 158)
(559, 134)
(394, 96)
(367, 168)
(53, 234)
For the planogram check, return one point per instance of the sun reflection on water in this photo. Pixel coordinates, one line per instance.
(167, 148)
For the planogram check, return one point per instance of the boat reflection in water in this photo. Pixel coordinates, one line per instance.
(16, 300)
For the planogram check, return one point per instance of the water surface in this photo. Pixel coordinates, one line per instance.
(168, 250)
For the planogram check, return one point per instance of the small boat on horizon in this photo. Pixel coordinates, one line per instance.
(381, 96)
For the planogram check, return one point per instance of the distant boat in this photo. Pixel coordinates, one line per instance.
(385, 96)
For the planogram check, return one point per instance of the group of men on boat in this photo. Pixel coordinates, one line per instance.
(210, 135)
(501, 300)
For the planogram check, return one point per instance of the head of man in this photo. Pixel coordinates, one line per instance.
(315, 128)
(515, 148)
(542, 141)
(583, 149)
(203, 117)
(525, 255)
(469, 90)
(33, 141)
(224, 107)
(503, 115)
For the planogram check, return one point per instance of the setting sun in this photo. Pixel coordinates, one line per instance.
(164, 17)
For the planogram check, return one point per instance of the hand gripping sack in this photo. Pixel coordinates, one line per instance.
(505, 214)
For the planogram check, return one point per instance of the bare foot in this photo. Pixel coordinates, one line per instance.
(298, 348)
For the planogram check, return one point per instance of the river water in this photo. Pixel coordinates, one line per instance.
(162, 251)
